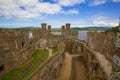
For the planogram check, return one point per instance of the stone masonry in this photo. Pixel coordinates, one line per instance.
(98, 54)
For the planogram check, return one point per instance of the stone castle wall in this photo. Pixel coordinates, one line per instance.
(91, 61)
(105, 44)
(102, 42)
(16, 47)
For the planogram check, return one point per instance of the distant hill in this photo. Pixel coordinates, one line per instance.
(113, 29)
(92, 28)
(29, 28)
(73, 28)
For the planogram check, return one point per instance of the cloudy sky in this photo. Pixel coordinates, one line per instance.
(80, 13)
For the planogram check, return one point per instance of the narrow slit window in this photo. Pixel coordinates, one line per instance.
(23, 44)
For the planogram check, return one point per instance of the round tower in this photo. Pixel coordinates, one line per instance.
(63, 28)
(49, 27)
(43, 26)
(119, 23)
(67, 26)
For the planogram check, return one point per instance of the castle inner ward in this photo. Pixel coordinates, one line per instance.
(96, 58)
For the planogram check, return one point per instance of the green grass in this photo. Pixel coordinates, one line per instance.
(19, 73)
(54, 51)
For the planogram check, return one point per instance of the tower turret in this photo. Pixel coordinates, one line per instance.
(49, 28)
(43, 26)
(119, 23)
(67, 26)
(63, 28)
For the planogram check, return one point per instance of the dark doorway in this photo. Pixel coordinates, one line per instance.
(1, 68)
(30, 42)
(96, 66)
(23, 44)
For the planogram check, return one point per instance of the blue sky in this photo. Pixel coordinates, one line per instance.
(80, 13)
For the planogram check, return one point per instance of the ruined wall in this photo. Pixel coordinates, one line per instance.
(50, 69)
(99, 55)
(89, 59)
(16, 47)
(102, 42)
(105, 44)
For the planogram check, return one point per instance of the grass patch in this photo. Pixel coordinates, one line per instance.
(19, 73)
(54, 51)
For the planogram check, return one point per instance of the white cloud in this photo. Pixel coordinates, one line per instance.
(11, 9)
(47, 8)
(104, 21)
(116, 0)
(26, 2)
(71, 11)
(99, 17)
(99, 23)
(78, 22)
(97, 2)
(69, 2)
(32, 9)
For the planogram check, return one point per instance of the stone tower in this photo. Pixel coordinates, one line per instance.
(49, 28)
(117, 43)
(119, 23)
(43, 26)
(63, 28)
(67, 26)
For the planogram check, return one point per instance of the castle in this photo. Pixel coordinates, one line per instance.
(98, 54)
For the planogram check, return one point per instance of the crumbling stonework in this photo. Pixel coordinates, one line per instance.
(91, 60)
(18, 45)
(96, 56)
(16, 48)
(99, 54)
(105, 43)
